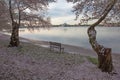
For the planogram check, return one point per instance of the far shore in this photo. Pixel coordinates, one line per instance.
(70, 26)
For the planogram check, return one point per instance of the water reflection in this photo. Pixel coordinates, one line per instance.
(77, 36)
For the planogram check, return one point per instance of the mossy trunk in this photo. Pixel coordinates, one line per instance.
(14, 40)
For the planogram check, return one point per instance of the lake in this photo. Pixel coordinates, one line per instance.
(77, 36)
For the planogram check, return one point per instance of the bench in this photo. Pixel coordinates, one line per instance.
(54, 45)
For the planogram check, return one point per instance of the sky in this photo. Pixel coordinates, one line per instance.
(61, 12)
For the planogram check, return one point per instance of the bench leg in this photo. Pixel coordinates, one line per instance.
(61, 50)
(51, 48)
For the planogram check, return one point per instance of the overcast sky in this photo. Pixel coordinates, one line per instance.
(61, 12)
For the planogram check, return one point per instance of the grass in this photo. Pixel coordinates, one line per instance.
(92, 60)
(42, 54)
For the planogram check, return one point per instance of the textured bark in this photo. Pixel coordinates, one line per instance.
(15, 35)
(104, 54)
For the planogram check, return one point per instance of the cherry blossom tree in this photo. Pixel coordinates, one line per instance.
(105, 11)
(22, 11)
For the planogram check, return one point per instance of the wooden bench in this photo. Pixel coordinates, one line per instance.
(54, 45)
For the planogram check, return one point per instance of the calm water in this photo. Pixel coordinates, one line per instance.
(77, 36)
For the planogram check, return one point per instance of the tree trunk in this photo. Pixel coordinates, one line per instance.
(15, 35)
(14, 39)
(104, 54)
(105, 61)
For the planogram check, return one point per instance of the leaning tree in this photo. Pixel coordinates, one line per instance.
(105, 12)
(25, 11)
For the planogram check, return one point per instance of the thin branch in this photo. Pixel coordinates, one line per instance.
(106, 11)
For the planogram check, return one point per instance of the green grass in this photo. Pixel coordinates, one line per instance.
(92, 60)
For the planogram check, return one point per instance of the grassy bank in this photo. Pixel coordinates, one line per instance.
(38, 52)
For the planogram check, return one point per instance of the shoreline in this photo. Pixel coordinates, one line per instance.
(67, 48)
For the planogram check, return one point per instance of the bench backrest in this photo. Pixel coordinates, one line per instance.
(55, 44)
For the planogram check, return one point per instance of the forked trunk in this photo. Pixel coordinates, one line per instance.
(104, 54)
